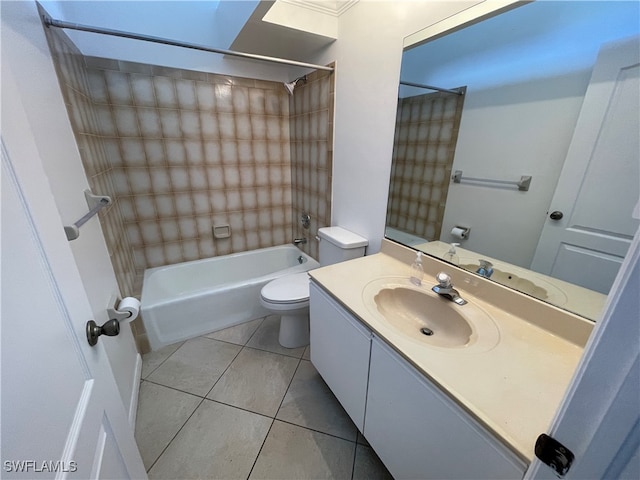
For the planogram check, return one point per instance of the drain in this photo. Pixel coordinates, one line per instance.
(426, 331)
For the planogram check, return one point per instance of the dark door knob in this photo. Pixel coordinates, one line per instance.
(557, 215)
(110, 329)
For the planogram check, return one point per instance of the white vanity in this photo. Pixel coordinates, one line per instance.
(468, 402)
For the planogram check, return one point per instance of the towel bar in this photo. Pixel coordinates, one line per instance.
(522, 184)
(95, 203)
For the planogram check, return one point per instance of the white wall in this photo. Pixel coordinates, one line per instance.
(198, 22)
(508, 131)
(368, 55)
(25, 49)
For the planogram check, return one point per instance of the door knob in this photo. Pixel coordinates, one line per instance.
(110, 329)
(557, 215)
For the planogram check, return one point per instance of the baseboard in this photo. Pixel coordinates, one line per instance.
(133, 404)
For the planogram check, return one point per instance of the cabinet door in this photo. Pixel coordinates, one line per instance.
(418, 432)
(340, 348)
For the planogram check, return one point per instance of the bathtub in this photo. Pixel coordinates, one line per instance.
(188, 299)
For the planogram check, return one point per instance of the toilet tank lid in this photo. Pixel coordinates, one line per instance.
(342, 238)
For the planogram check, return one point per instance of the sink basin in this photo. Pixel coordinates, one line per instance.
(422, 316)
(415, 311)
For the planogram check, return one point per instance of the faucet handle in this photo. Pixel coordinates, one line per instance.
(444, 279)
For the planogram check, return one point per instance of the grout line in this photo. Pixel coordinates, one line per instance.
(275, 353)
(318, 431)
(162, 363)
(225, 370)
(355, 454)
(174, 388)
(177, 433)
(274, 419)
(238, 408)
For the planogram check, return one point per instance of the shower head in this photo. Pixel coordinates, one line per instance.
(291, 85)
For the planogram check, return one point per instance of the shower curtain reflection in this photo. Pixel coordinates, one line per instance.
(423, 150)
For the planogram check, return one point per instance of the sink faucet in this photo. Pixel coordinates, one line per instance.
(445, 289)
(485, 269)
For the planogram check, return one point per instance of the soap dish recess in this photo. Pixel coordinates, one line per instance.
(221, 231)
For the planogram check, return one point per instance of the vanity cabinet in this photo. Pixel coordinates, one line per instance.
(419, 432)
(416, 429)
(340, 347)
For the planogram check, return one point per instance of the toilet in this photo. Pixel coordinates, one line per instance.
(288, 296)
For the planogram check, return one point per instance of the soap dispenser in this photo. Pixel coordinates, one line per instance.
(451, 256)
(417, 272)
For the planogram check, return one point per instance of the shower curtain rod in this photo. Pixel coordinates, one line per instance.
(165, 41)
(419, 85)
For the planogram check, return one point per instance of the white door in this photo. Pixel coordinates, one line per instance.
(599, 418)
(62, 415)
(600, 181)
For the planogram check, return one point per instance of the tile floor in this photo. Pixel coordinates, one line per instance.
(235, 404)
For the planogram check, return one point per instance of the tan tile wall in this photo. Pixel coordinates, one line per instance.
(425, 140)
(180, 151)
(75, 89)
(191, 150)
(311, 125)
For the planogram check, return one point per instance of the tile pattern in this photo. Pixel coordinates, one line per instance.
(180, 151)
(311, 127)
(191, 150)
(263, 414)
(74, 84)
(424, 146)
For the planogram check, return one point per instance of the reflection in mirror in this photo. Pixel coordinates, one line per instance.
(551, 93)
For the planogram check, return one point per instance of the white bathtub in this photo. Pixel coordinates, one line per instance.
(188, 299)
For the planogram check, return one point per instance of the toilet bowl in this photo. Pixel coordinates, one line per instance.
(288, 296)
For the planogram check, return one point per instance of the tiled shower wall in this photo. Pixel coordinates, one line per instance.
(189, 151)
(74, 85)
(181, 151)
(311, 125)
(425, 140)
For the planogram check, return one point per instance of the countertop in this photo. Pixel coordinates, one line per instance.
(513, 389)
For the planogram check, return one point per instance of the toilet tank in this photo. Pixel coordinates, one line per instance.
(338, 244)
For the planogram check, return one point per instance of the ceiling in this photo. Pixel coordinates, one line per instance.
(296, 29)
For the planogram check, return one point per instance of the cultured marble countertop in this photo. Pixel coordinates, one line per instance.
(568, 296)
(513, 389)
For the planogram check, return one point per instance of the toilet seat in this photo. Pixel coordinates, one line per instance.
(290, 290)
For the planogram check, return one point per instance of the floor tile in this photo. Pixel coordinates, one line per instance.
(256, 380)
(362, 440)
(266, 338)
(162, 412)
(218, 441)
(307, 353)
(292, 452)
(368, 466)
(239, 334)
(152, 360)
(310, 403)
(196, 365)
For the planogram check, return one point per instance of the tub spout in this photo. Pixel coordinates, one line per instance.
(298, 241)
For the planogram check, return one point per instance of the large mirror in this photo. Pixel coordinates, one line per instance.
(524, 149)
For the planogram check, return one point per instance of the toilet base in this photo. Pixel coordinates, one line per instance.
(294, 330)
